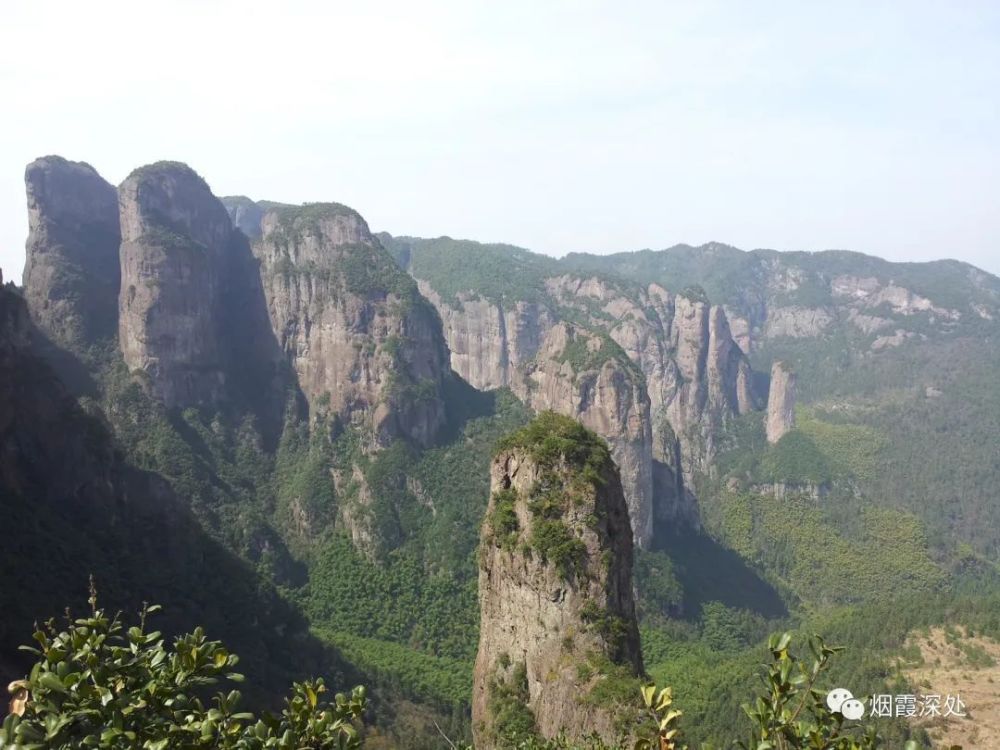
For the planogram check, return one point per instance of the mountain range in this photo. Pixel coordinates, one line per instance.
(282, 425)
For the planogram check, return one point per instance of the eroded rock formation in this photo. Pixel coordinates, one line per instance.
(364, 344)
(175, 236)
(780, 402)
(685, 361)
(71, 272)
(555, 589)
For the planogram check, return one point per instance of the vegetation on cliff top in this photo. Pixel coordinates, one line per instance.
(551, 438)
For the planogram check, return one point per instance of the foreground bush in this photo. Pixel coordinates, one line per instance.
(97, 684)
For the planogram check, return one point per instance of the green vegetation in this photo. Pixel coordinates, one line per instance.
(499, 273)
(610, 627)
(98, 684)
(555, 543)
(395, 600)
(551, 438)
(170, 239)
(503, 521)
(443, 681)
(513, 721)
(158, 167)
(582, 354)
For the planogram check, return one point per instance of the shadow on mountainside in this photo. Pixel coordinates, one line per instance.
(708, 572)
(71, 506)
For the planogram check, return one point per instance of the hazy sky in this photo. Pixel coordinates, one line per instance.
(555, 125)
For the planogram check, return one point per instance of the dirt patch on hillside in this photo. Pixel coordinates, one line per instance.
(950, 662)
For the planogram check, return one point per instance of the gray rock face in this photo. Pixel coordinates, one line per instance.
(538, 625)
(175, 235)
(71, 273)
(780, 402)
(714, 382)
(695, 374)
(364, 344)
(605, 394)
(245, 214)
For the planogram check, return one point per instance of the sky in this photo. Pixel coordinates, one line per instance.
(555, 125)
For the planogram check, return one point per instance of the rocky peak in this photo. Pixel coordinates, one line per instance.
(366, 347)
(555, 586)
(71, 273)
(781, 402)
(695, 373)
(175, 236)
(586, 375)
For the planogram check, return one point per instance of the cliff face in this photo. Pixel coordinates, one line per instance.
(696, 375)
(555, 586)
(679, 375)
(246, 215)
(580, 374)
(780, 402)
(362, 341)
(175, 235)
(71, 272)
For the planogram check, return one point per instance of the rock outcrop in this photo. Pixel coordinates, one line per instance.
(586, 376)
(175, 236)
(684, 359)
(780, 402)
(713, 383)
(555, 589)
(245, 214)
(71, 272)
(365, 345)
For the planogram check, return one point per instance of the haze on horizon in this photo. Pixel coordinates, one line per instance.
(559, 126)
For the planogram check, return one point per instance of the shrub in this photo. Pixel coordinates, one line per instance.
(99, 684)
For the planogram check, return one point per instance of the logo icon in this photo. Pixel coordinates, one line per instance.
(843, 702)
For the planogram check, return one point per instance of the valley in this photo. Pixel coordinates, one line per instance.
(298, 433)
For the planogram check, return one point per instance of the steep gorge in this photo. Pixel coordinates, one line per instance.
(665, 368)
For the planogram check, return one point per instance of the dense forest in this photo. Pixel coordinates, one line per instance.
(317, 503)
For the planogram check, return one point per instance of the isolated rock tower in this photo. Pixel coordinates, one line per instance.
(780, 402)
(555, 587)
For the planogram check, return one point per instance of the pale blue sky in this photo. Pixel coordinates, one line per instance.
(592, 126)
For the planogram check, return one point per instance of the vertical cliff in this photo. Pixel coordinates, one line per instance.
(555, 590)
(781, 402)
(585, 375)
(71, 271)
(713, 383)
(364, 344)
(670, 376)
(175, 235)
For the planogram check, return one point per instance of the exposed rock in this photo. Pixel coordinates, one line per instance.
(71, 273)
(983, 312)
(713, 383)
(796, 322)
(897, 338)
(555, 587)
(741, 329)
(582, 375)
(781, 490)
(245, 214)
(868, 323)
(780, 402)
(695, 375)
(364, 344)
(488, 343)
(175, 235)
(870, 292)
